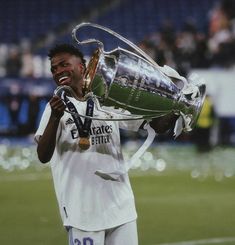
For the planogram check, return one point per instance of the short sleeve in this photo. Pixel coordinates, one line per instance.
(43, 122)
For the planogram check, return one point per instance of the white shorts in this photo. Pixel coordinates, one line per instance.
(124, 234)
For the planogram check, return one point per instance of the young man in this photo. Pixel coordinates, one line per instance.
(94, 210)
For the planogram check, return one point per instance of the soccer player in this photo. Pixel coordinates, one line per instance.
(94, 210)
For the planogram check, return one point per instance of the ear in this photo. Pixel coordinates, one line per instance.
(82, 68)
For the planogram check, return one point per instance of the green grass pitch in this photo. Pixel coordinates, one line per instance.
(189, 198)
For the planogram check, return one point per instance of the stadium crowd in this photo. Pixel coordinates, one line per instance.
(185, 49)
(191, 48)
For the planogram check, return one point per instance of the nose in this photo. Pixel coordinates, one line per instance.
(58, 71)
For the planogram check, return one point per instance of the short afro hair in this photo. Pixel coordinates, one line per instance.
(66, 48)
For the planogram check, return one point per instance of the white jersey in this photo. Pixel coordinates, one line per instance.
(86, 201)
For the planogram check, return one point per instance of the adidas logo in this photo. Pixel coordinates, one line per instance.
(69, 121)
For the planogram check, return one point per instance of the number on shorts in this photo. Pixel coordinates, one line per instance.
(85, 241)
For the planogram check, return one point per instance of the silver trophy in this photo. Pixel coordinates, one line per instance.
(136, 86)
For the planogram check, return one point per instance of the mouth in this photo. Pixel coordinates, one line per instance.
(64, 80)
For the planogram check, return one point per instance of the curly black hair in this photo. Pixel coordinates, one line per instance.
(66, 48)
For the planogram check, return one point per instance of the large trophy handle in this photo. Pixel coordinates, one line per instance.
(87, 41)
(101, 45)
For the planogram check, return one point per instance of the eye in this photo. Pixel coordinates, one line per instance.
(65, 64)
(53, 70)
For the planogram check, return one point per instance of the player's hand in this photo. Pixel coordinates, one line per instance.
(57, 107)
(164, 123)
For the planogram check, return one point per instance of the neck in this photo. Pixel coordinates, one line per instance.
(78, 91)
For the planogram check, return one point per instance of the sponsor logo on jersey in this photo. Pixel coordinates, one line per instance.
(69, 121)
(98, 134)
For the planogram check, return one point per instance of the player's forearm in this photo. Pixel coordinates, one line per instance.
(47, 141)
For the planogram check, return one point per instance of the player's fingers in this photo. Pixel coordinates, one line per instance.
(55, 99)
(57, 102)
(60, 106)
(57, 106)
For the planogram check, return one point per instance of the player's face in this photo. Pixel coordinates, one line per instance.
(67, 70)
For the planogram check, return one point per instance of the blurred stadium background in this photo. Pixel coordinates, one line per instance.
(184, 192)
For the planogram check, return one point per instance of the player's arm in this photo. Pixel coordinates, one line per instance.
(164, 123)
(46, 143)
